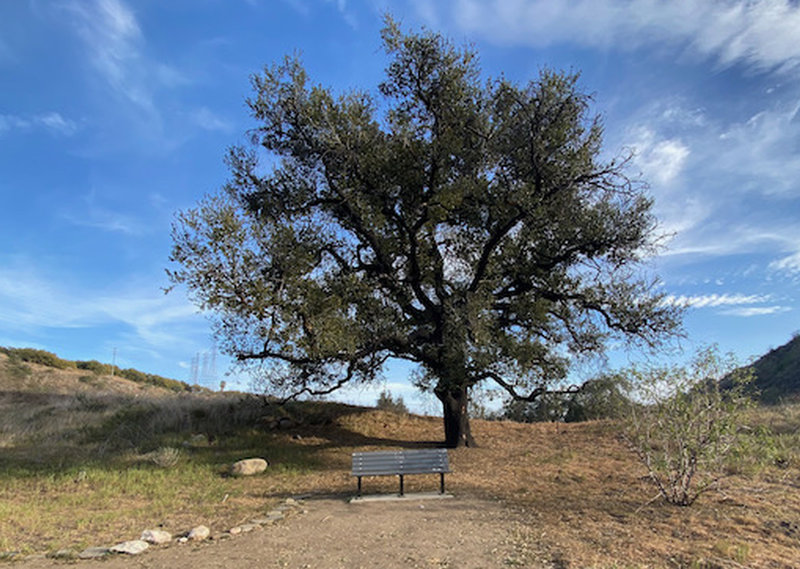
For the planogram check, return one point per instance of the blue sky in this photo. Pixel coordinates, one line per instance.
(114, 114)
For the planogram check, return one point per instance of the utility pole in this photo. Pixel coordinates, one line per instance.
(113, 361)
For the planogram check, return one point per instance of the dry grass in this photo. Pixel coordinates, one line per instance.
(79, 470)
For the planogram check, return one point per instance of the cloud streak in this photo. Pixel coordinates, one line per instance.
(761, 35)
(715, 300)
(52, 122)
(30, 301)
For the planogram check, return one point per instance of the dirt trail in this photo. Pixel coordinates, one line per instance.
(461, 532)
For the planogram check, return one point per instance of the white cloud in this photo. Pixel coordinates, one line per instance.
(790, 264)
(207, 120)
(756, 311)
(661, 160)
(30, 301)
(762, 34)
(716, 300)
(52, 122)
(732, 304)
(116, 48)
(762, 151)
(91, 214)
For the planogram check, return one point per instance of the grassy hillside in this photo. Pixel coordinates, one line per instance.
(778, 373)
(83, 466)
(27, 367)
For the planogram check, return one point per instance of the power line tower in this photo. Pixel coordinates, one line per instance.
(195, 362)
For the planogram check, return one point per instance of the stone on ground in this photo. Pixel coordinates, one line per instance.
(249, 466)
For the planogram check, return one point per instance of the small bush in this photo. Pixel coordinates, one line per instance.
(689, 428)
(165, 457)
(152, 379)
(94, 366)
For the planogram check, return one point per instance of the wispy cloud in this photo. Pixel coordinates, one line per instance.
(762, 35)
(716, 300)
(731, 304)
(92, 214)
(789, 264)
(52, 122)
(31, 300)
(206, 119)
(116, 49)
(756, 311)
(661, 160)
(762, 150)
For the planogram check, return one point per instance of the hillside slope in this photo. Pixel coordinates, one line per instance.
(778, 373)
(29, 370)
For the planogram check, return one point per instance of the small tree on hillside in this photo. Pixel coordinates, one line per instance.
(469, 227)
(386, 402)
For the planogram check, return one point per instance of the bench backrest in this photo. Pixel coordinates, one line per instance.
(421, 461)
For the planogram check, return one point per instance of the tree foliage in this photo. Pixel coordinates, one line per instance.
(603, 397)
(473, 228)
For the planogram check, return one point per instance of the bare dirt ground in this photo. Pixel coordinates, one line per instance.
(329, 532)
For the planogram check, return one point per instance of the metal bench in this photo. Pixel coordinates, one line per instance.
(400, 463)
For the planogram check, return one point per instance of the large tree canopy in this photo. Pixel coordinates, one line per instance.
(473, 228)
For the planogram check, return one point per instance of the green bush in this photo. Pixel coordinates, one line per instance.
(689, 429)
(152, 379)
(40, 357)
(95, 367)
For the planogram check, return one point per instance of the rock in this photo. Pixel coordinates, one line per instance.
(199, 533)
(261, 521)
(244, 528)
(290, 502)
(285, 423)
(249, 467)
(94, 553)
(156, 536)
(134, 547)
(275, 515)
(63, 554)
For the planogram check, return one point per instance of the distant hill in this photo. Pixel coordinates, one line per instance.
(31, 369)
(778, 373)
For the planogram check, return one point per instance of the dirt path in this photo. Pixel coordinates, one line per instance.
(459, 532)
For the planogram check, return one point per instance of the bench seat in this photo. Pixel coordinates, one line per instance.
(401, 463)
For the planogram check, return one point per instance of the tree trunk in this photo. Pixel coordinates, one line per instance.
(456, 417)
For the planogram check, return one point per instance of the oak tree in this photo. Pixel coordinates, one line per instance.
(470, 226)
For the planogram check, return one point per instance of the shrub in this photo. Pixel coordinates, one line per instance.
(165, 457)
(40, 357)
(688, 428)
(94, 366)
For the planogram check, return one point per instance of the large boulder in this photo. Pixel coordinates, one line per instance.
(249, 466)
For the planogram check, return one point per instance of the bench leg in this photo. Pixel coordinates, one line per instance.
(359, 486)
(441, 483)
(401, 484)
